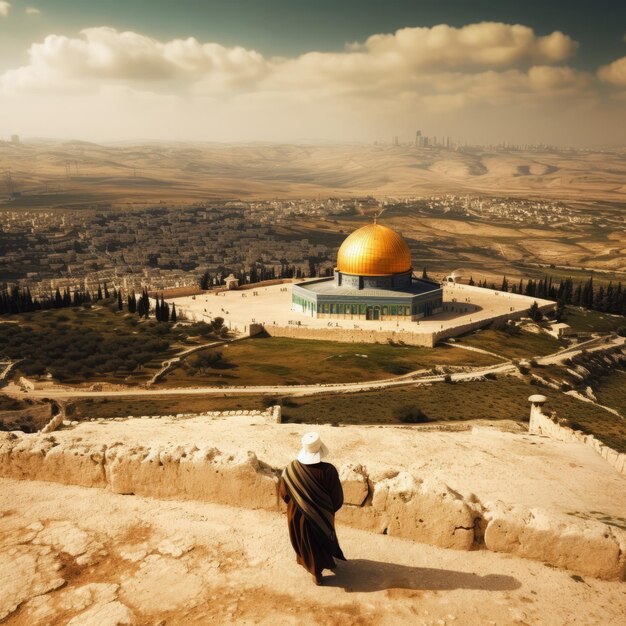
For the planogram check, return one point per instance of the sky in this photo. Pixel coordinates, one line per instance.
(297, 70)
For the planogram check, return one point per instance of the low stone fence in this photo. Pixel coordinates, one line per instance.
(272, 414)
(541, 424)
(393, 502)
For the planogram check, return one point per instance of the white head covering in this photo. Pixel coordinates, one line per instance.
(313, 450)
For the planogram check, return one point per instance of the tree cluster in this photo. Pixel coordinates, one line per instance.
(258, 272)
(19, 300)
(609, 298)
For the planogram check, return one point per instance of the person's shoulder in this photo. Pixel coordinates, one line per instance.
(329, 467)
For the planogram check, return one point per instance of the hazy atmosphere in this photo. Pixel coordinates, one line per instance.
(293, 71)
(312, 312)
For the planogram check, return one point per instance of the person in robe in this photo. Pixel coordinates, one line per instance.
(313, 493)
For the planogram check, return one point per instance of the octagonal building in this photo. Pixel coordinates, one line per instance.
(373, 280)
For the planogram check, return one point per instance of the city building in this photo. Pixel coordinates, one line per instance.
(373, 280)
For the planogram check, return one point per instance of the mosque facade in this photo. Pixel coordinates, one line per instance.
(373, 280)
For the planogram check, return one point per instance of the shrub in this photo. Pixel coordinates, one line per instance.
(447, 378)
(410, 414)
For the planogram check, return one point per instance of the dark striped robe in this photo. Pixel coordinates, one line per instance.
(313, 494)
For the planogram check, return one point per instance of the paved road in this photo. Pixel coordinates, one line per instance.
(412, 378)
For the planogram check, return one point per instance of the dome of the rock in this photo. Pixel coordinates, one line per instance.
(374, 250)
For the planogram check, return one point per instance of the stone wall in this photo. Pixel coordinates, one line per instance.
(393, 502)
(541, 424)
(497, 321)
(272, 414)
(350, 335)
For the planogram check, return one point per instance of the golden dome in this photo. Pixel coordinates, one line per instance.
(374, 250)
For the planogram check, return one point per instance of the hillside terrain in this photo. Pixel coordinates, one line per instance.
(75, 173)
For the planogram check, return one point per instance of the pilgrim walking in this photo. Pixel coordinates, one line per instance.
(313, 493)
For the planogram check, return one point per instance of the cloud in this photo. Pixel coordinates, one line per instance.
(487, 44)
(5, 7)
(386, 80)
(32, 11)
(382, 61)
(105, 54)
(614, 73)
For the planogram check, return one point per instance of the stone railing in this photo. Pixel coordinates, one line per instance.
(541, 424)
(272, 414)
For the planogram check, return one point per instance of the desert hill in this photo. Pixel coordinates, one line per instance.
(51, 173)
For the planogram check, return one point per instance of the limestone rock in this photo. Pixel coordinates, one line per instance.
(68, 538)
(175, 547)
(189, 472)
(104, 614)
(354, 482)
(146, 591)
(26, 571)
(134, 553)
(585, 546)
(448, 519)
(427, 511)
(45, 608)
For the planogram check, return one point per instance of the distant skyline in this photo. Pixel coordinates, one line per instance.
(284, 70)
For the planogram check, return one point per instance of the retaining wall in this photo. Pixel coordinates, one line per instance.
(541, 424)
(352, 335)
(394, 503)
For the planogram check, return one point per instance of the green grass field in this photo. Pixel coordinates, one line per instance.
(85, 408)
(611, 391)
(279, 361)
(512, 343)
(584, 320)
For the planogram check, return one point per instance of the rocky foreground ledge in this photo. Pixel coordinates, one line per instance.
(89, 557)
(420, 498)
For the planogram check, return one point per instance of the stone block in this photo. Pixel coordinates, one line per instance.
(354, 482)
(426, 511)
(587, 547)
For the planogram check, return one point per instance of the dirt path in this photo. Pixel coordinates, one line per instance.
(166, 365)
(94, 557)
(308, 390)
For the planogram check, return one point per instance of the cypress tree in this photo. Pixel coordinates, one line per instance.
(173, 318)
(106, 292)
(535, 313)
(99, 296)
(599, 301)
(120, 306)
(577, 297)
